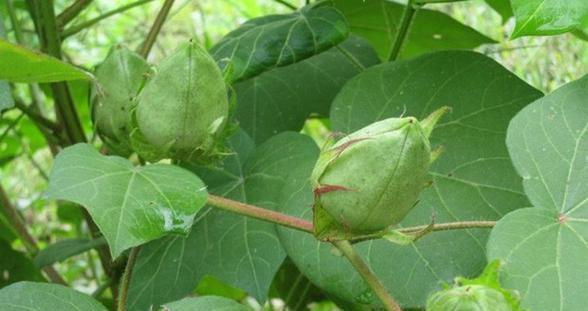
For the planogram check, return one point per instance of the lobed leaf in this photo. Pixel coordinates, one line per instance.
(238, 250)
(130, 205)
(545, 248)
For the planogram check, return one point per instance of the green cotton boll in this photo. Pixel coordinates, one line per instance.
(370, 180)
(469, 298)
(184, 107)
(120, 77)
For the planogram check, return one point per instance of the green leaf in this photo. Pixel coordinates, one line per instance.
(238, 250)
(273, 41)
(45, 297)
(120, 77)
(23, 65)
(502, 7)
(130, 205)
(62, 250)
(545, 248)
(205, 303)
(378, 20)
(6, 100)
(472, 180)
(548, 17)
(281, 99)
(15, 266)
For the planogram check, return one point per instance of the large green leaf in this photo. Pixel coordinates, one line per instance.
(545, 249)
(45, 297)
(119, 77)
(548, 17)
(19, 64)
(15, 266)
(205, 303)
(378, 22)
(472, 180)
(240, 251)
(281, 99)
(272, 41)
(130, 205)
(62, 250)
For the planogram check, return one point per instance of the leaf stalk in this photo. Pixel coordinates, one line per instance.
(407, 17)
(366, 273)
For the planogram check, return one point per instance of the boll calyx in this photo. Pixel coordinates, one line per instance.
(370, 179)
(469, 298)
(183, 109)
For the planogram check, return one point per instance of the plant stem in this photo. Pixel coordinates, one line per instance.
(126, 279)
(51, 43)
(44, 16)
(27, 239)
(155, 28)
(14, 21)
(37, 118)
(287, 4)
(452, 226)
(260, 213)
(69, 13)
(402, 32)
(366, 273)
(81, 26)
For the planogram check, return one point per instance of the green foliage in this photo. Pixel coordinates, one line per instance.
(283, 98)
(378, 22)
(241, 251)
(272, 41)
(548, 17)
(199, 169)
(130, 205)
(42, 297)
(16, 267)
(34, 66)
(544, 248)
(205, 303)
(62, 250)
(472, 180)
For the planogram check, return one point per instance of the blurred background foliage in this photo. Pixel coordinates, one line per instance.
(544, 62)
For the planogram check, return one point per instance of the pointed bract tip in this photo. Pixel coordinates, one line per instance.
(428, 124)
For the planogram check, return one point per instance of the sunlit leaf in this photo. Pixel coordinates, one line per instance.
(130, 205)
(548, 17)
(19, 64)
